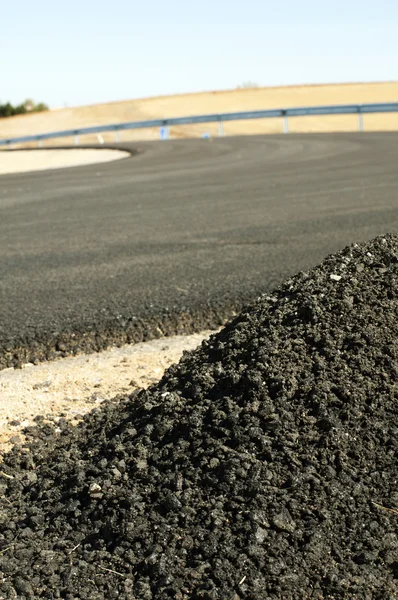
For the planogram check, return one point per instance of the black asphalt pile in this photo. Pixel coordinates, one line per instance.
(263, 465)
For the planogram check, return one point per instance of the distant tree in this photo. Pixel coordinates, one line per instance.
(40, 107)
(20, 109)
(29, 105)
(8, 110)
(247, 84)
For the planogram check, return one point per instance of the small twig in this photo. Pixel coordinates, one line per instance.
(75, 548)
(242, 580)
(5, 549)
(112, 571)
(5, 475)
(393, 510)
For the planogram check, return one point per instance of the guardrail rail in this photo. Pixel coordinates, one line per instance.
(165, 124)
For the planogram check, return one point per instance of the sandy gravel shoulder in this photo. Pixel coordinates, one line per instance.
(23, 161)
(71, 387)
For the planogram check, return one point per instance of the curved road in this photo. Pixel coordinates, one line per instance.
(178, 236)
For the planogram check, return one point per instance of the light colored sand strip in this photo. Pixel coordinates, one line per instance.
(23, 161)
(73, 386)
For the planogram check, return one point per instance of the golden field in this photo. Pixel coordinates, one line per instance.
(214, 102)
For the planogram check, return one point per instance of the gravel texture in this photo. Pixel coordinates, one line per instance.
(263, 465)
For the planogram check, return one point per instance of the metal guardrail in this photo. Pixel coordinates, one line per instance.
(165, 124)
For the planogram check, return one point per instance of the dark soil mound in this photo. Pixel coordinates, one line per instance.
(264, 465)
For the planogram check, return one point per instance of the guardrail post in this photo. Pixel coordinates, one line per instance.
(117, 136)
(76, 140)
(164, 132)
(40, 144)
(360, 121)
(285, 123)
(220, 128)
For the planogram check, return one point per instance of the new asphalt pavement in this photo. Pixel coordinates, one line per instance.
(177, 236)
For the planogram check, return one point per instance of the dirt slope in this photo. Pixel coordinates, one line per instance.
(222, 101)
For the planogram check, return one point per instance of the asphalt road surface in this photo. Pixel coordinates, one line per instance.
(180, 235)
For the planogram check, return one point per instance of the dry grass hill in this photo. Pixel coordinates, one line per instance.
(220, 101)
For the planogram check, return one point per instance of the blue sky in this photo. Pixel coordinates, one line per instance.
(84, 52)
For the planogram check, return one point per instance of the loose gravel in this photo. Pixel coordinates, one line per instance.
(263, 465)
